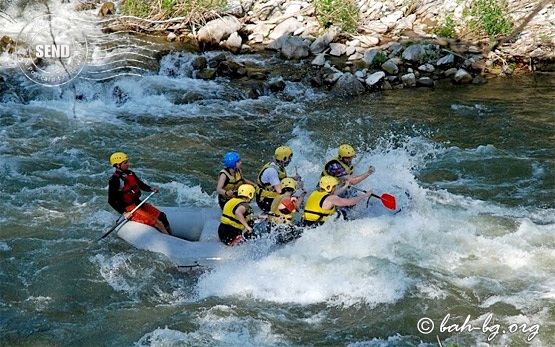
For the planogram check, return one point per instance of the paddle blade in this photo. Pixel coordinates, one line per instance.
(389, 201)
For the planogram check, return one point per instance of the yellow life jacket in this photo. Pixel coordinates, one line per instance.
(279, 217)
(348, 169)
(233, 182)
(228, 213)
(313, 210)
(266, 190)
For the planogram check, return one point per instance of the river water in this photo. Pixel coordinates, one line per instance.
(467, 261)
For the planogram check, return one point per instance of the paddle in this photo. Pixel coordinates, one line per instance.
(125, 220)
(388, 200)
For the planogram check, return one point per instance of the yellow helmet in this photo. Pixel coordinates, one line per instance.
(246, 191)
(283, 153)
(328, 182)
(288, 182)
(346, 151)
(118, 158)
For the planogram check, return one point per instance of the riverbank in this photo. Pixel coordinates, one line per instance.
(395, 44)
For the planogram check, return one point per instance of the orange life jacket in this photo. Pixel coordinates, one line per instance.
(130, 192)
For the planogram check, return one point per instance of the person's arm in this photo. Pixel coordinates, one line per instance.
(145, 187)
(240, 214)
(299, 200)
(357, 179)
(114, 196)
(220, 187)
(334, 200)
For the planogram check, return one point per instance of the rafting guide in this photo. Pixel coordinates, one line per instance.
(426, 326)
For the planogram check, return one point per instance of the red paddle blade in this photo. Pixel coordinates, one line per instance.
(389, 201)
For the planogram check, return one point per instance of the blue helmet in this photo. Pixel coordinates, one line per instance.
(231, 159)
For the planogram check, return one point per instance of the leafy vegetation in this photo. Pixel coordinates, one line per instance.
(343, 13)
(194, 10)
(489, 17)
(447, 29)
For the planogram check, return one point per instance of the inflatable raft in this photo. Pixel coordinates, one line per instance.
(194, 242)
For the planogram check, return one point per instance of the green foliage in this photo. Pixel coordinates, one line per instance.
(171, 8)
(343, 13)
(489, 17)
(137, 8)
(447, 29)
(167, 5)
(379, 59)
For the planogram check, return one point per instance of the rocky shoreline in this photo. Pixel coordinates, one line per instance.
(393, 46)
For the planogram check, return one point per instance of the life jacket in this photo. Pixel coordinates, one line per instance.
(228, 214)
(277, 216)
(232, 182)
(130, 191)
(348, 169)
(313, 210)
(266, 190)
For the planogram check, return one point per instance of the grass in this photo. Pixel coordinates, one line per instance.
(489, 17)
(343, 13)
(195, 11)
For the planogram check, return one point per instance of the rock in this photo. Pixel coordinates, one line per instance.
(199, 63)
(462, 76)
(206, 74)
(320, 60)
(369, 56)
(426, 68)
(276, 86)
(450, 72)
(347, 85)
(322, 42)
(409, 80)
(217, 30)
(231, 69)
(414, 53)
(293, 47)
(256, 73)
(446, 61)
(286, 27)
(171, 37)
(107, 8)
(425, 82)
(390, 67)
(337, 49)
(233, 43)
(375, 78)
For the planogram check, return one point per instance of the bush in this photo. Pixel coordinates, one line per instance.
(165, 9)
(447, 29)
(343, 13)
(489, 17)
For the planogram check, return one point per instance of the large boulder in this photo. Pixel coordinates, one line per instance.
(217, 30)
(347, 85)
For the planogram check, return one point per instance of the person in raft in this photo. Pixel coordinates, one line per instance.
(341, 166)
(283, 210)
(235, 222)
(270, 176)
(285, 206)
(124, 193)
(322, 203)
(230, 178)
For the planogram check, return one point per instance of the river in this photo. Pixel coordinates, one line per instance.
(468, 261)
